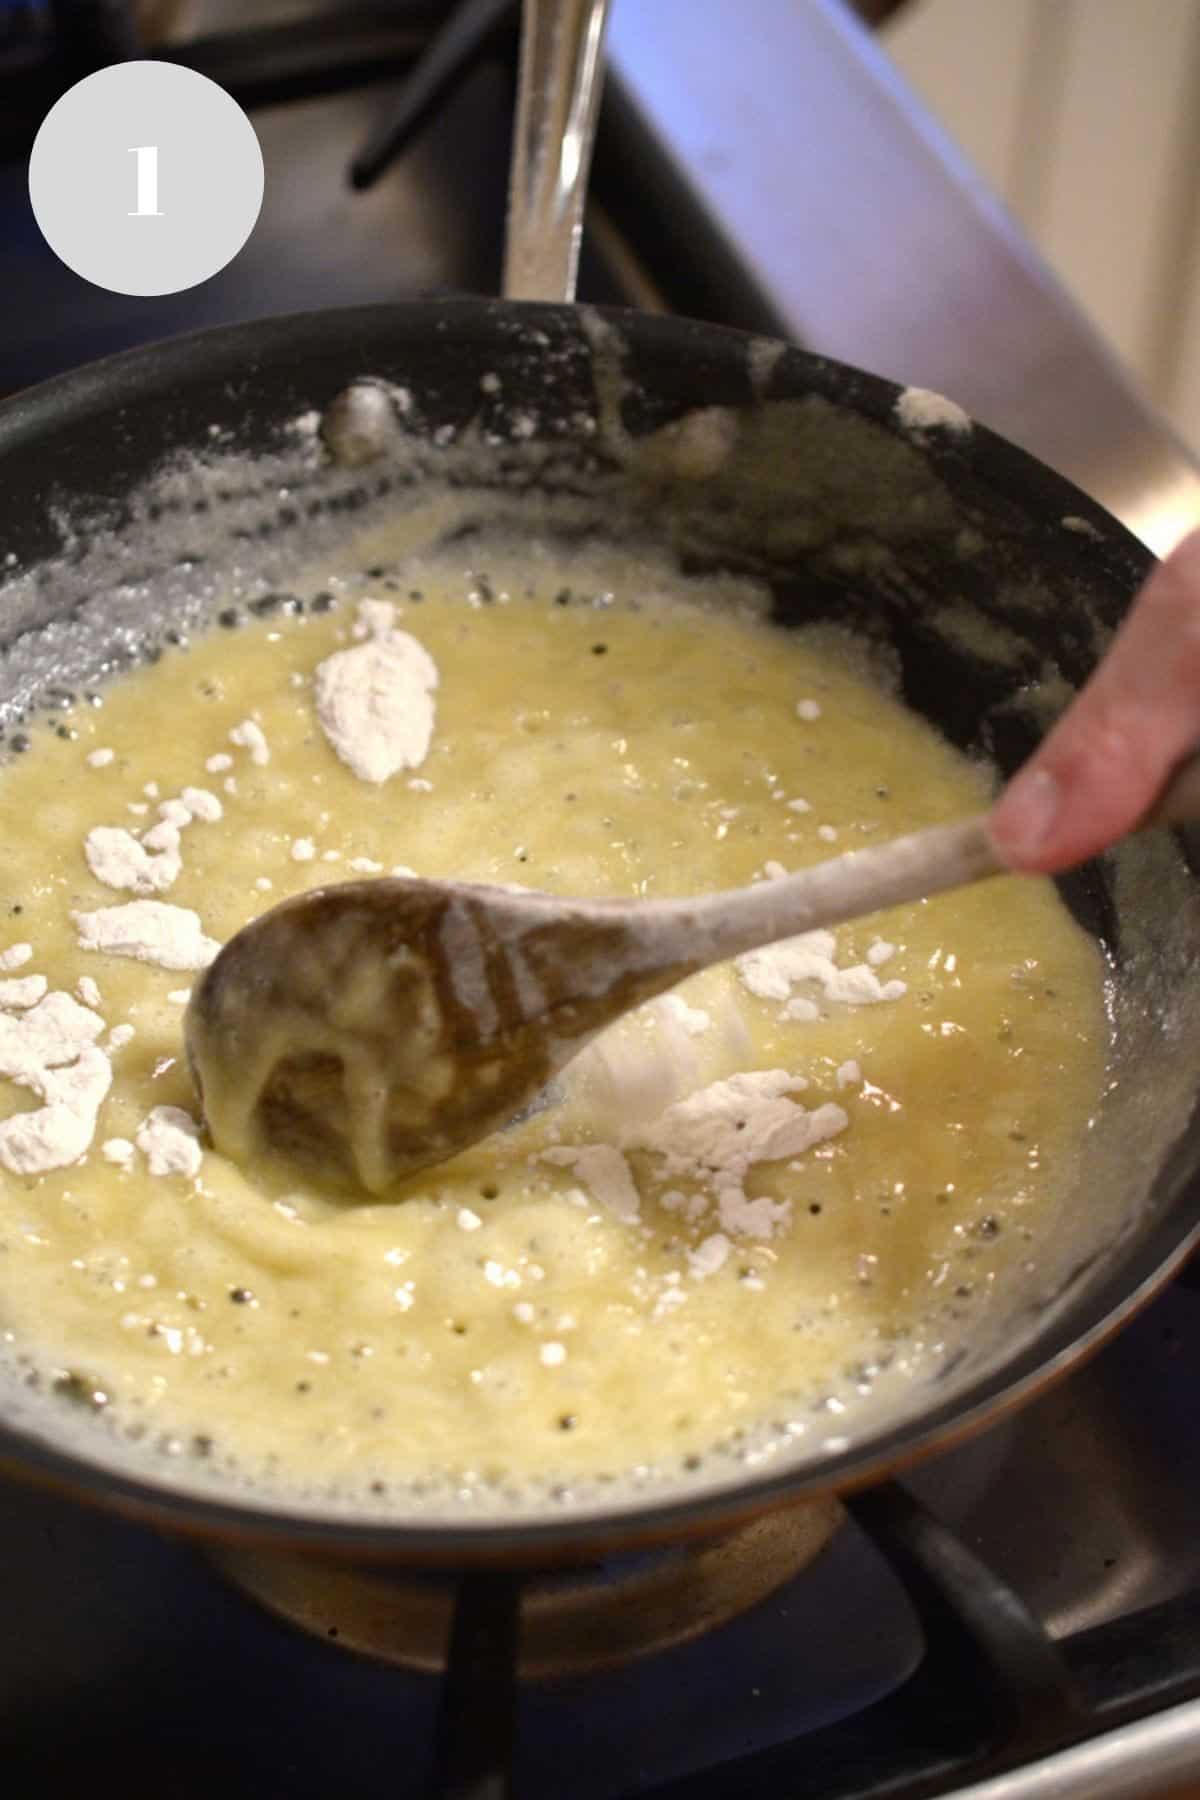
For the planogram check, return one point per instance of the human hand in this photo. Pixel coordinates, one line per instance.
(1102, 766)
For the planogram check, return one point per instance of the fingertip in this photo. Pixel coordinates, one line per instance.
(1023, 820)
(1043, 823)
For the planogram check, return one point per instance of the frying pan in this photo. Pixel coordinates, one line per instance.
(139, 493)
(131, 492)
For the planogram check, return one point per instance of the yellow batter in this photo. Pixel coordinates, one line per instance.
(500, 1319)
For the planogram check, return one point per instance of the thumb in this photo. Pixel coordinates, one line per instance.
(1103, 765)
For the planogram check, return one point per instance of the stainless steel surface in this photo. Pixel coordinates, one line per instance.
(558, 97)
(1086, 1502)
(1138, 1760)
(432, 224)
(875, 242)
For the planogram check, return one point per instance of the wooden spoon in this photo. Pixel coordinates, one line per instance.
(373, 1028)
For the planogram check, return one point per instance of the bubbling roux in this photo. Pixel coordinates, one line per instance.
(745, 1211)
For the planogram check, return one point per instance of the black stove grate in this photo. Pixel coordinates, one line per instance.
(991, 1693)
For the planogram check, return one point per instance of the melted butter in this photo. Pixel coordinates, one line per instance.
(491, 1321)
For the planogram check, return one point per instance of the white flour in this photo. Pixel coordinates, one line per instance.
(119, 860)
(634, 1077)
(50, 1050)
(149, 931)
(169, 1139)
(920, 409)
(773, 972)
(605, 1173)
(61, 1131)
(710, 1254)
(375, 702)
(15, 957)
(49, 1034)
(23, 990)
(202, 805)
(714, 1138)
(152, 863)
(249, 736)
(692, 1019)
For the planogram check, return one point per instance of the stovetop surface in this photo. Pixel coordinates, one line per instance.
(127, 1655)
(432, 224)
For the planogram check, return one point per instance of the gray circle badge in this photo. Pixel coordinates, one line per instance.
(146, 178)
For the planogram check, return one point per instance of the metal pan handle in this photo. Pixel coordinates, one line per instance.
(558, 96)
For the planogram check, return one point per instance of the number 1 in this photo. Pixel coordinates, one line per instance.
(147, 182)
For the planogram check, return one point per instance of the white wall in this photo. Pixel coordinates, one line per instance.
(1084, 115)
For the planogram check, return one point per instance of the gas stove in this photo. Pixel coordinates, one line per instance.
(1021, 1617)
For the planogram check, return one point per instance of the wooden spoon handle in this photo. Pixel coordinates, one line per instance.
(866, 881)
